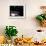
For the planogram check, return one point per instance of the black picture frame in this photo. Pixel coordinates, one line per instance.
(17, 11)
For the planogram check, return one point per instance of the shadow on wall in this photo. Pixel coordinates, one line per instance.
(2, 30)
(34, 21)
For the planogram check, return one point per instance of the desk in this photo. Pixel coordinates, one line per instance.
(25, 44)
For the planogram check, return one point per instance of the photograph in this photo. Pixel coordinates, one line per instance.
(17, 12)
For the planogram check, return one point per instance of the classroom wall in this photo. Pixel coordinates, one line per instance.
(26, 26)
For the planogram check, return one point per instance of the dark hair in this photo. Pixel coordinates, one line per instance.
(42, 7)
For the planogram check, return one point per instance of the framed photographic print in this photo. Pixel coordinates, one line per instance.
(17, 11)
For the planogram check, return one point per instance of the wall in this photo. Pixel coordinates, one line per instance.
(26, 26)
